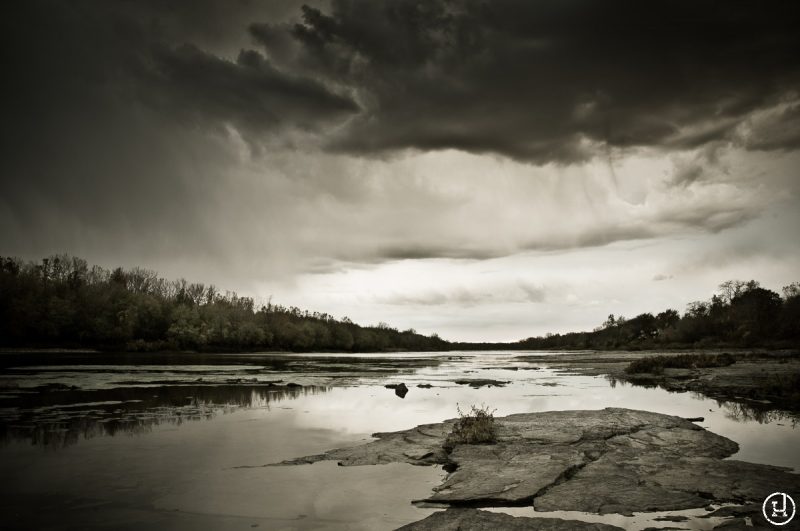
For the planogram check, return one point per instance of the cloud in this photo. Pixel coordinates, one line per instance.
(540, 82)
(129, 145)
(517, 292)
(776, 128)
(250, 93)
(99, 58)
(186, 138)
(420, 252)
(544, 81)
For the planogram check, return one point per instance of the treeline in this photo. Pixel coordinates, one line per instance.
(64, 302)
(741, 314)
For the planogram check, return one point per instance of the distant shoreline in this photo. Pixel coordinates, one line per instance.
(478, 348)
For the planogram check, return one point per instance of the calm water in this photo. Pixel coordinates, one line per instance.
(135, 441)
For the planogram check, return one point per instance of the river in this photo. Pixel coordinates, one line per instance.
(132, 441)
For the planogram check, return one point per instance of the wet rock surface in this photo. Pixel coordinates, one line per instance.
(607, 461)
(475, 520)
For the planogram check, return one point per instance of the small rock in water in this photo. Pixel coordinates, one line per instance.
(399, 389)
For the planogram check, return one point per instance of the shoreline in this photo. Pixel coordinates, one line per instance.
(760, 380)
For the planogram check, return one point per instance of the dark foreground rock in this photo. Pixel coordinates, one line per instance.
(475, 520)
(608, 461)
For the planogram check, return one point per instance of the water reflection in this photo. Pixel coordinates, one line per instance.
(45, 371)
(64, 417)
(740, 411)
(55, 399)
(747, 413)
(34, 362)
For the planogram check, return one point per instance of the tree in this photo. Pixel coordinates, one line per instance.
(791, 291)
(667, 319)
(755, 312)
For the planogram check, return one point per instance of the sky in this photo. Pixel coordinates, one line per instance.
(488, 171)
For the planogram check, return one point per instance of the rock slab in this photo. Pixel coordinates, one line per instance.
(608, 461)
(475, 520)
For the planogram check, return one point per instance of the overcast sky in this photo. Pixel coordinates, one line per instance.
(487, 170)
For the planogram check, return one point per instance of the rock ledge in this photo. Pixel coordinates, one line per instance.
(607, 461)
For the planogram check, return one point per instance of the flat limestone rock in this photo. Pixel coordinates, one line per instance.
(475, 520)
(608, 461)
(418, 446)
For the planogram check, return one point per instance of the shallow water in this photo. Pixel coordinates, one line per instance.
(177, 441)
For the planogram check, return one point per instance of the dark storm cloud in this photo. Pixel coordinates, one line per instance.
(248, 93)
(124, 123)
(116, 128)
(543, 81)
(538, 81)
(96, 57)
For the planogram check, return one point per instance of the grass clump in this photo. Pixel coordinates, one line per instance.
(476, 426)
(657, 364)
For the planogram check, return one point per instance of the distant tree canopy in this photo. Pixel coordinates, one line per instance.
(741, 314)
(64, 302)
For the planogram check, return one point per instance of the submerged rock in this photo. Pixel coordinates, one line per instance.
(671, 518)
(608, 461)
(480, 382)
(475, 520)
